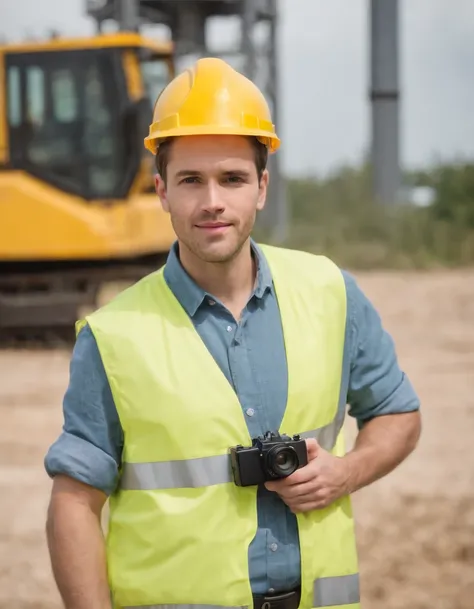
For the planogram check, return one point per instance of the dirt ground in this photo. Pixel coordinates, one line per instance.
(415, 527)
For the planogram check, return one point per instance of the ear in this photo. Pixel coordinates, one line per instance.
(160, 188)
(262, 190)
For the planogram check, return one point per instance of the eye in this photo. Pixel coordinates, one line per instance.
(235, 179)
(190, 180)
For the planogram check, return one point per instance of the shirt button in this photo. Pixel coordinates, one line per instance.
(250, 412)
(271, 590)
(212, 302)
(274, 547)
(229, 328)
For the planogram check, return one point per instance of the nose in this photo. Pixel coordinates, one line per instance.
(213, 202)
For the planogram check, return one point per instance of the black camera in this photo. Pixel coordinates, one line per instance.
(270, 457)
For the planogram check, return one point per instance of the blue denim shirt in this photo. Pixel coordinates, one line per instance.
(251, 354)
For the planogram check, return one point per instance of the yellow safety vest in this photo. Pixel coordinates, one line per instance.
(179, 528)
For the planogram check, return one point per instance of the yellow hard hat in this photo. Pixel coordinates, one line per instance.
(211, 98)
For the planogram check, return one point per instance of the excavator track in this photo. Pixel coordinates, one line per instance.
(40, 302)
(37, 338)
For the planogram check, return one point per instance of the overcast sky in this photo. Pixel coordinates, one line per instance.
(325, 79)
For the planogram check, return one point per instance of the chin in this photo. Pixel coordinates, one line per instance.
(216, 256)
(218, 252)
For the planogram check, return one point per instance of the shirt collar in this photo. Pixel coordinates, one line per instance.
(191, 296)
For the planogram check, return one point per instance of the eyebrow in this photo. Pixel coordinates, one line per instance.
(187, 172)
(193, 172)
(237, 172)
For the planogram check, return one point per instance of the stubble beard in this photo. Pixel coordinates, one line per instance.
(217, 255)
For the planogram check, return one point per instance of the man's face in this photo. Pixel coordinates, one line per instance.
(212, 194)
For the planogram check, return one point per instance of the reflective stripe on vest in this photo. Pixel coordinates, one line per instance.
(205, 471)
(336, 591)
(327, 592)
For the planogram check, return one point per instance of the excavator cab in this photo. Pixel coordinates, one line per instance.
(76, 115)
(77, 202)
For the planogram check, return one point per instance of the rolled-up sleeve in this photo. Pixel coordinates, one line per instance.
(90, 445)
(377, 384)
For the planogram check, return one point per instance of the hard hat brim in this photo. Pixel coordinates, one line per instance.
(269, 139)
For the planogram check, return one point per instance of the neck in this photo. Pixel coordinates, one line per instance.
(231, 282)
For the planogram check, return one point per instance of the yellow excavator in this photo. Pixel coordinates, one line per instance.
(77, 201)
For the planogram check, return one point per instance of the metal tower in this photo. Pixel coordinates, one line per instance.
(385, 93)
(187, 21)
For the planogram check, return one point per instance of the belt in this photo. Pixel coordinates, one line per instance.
(282, 600)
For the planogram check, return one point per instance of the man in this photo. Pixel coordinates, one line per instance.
(229, 342)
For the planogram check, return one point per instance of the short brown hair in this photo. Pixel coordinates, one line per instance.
(163, 154)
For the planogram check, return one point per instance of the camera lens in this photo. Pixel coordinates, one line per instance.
(282, 461)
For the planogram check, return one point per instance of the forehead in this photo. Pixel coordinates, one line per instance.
(207, 151)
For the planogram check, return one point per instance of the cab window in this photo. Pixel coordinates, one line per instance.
(64, 114)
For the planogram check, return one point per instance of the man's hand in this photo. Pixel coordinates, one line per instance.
(316, 485)
(381, 445)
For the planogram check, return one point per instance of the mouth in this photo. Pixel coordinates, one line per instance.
(214, 227)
